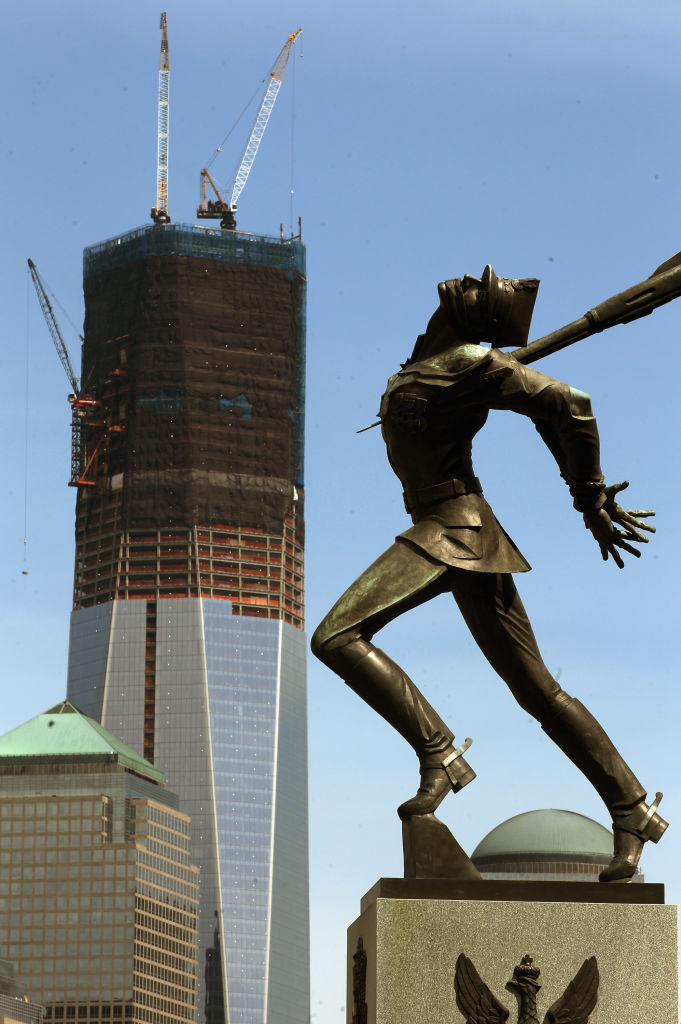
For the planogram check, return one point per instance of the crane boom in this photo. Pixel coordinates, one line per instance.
(53, 326)
(221, 208)
(262, 117)
(159, 213)
(95, 430)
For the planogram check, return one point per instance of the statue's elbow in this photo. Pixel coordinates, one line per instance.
(580, 404)
(317, 642)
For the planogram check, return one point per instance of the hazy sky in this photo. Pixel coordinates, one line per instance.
(421, 142)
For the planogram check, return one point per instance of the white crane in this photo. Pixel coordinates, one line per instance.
(159, 213)
(219, 208)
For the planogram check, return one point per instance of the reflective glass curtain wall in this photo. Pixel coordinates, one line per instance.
(230, 736)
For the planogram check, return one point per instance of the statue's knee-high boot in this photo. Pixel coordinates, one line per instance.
(585, 742)
(382, 684)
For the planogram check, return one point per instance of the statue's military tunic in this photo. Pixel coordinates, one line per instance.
(429, 419)
(429, 415)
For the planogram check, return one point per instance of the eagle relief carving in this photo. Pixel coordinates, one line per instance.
(480, 1006)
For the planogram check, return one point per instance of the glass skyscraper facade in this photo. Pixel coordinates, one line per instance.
(187, 635)
(231, 730)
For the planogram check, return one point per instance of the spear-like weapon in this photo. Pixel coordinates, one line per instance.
(663, 285)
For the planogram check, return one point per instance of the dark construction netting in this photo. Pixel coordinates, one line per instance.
(201, 361)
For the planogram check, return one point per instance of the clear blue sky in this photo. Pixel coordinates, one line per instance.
(428, 140)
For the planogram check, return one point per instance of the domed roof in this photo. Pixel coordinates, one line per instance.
(547, 832)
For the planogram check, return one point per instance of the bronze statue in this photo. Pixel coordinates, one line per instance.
(429, 414)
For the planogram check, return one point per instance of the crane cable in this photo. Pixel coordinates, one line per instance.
(250, 102)
(62, 308)
(24, 571)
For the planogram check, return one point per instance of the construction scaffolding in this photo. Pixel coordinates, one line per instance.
(198, 242)
(198, 361)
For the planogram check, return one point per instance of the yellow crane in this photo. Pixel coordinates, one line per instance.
(219, 208)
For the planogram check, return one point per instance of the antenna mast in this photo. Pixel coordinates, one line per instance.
(159, 213)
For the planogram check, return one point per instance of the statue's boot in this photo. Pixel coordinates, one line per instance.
(579, 735)
(382, 684)
(439, 773)
(631, 831)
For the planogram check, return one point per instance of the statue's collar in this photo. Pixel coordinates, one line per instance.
(450, 367)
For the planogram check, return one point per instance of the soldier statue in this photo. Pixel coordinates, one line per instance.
(429, 414)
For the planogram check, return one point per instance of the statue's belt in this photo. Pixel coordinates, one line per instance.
(454, 488)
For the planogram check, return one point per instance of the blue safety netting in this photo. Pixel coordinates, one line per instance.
(190, 240)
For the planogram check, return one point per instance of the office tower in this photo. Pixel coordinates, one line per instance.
(187, 631)
(15, 1005)
(98, 895)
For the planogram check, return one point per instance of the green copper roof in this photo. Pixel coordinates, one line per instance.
(64, 733)
(548, 832)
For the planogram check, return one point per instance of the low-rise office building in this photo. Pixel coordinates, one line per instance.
(98, 895)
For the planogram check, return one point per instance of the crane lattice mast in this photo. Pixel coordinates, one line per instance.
(159, 213)
(221, 208)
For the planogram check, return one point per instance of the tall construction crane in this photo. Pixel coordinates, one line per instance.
(91, 430)
(53, 327)
(219, 208)
(159, 213)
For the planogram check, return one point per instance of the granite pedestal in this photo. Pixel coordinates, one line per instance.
(412, 932)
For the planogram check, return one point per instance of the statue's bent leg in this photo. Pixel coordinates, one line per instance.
(397, 581)
(495, 615)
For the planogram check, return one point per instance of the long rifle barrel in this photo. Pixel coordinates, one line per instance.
(663, 285)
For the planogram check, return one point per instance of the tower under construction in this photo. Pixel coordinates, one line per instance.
(187, 631)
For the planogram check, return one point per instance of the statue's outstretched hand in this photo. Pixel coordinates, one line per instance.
(603, 524)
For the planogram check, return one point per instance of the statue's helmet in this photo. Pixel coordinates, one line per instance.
(494, 309)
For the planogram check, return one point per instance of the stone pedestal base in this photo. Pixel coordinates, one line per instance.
(403, 949)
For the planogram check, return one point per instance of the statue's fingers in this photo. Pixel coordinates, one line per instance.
(631, 533)
(637, 524)
(614, 489)
(639, 513)
(648, 527)
(632, 528)
(621, 543)
(616, 557)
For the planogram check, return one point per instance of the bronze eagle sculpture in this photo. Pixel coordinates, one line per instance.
(479, 1005)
